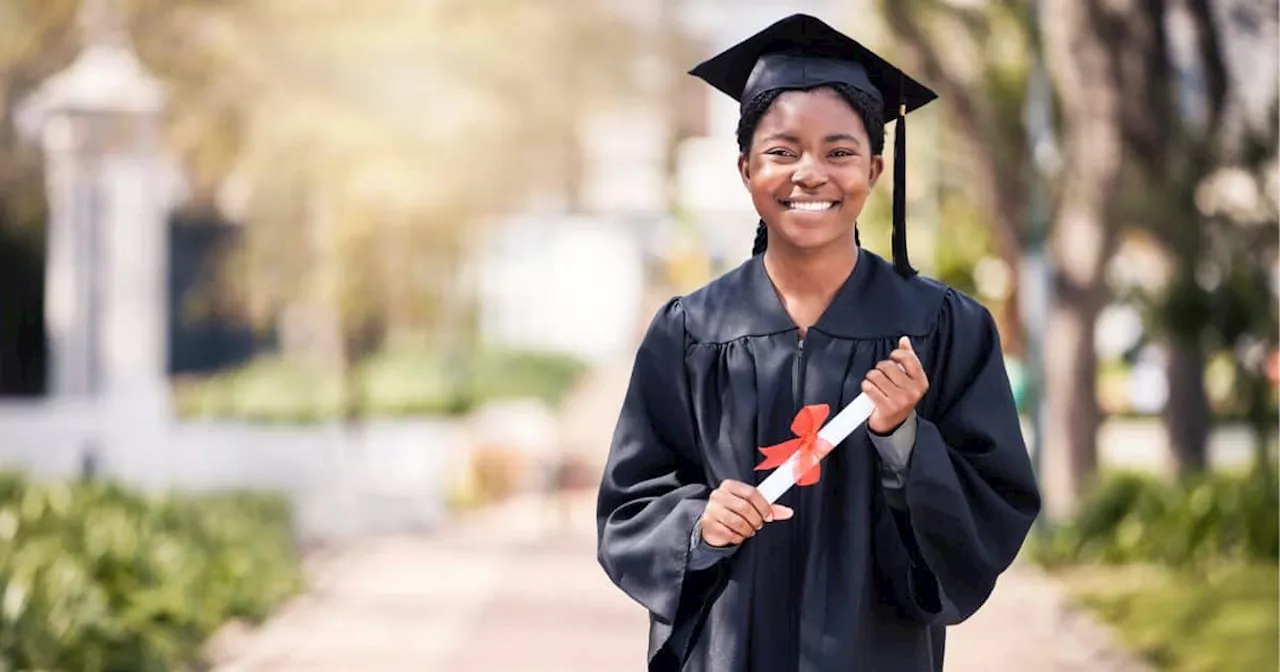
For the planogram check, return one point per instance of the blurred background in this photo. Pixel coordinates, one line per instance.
(315, 317)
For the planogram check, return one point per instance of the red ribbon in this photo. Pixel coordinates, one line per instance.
(807, 445)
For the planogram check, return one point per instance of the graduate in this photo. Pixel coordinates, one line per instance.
(915, 515)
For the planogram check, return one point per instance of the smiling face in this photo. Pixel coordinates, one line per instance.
(809, 169)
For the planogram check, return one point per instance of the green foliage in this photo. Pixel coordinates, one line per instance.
(1199, 522)
(96, 577)
(966, 232)
(1225, 621)
(506, 375)
(390, 384)
(263, 391)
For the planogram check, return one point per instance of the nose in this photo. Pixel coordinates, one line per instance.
(808, 173)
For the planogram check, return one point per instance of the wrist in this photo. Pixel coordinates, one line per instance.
(892, 428)
(885, 432)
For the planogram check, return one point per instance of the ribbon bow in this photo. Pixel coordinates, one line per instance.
(807, 446)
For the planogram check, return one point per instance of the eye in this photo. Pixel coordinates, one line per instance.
(842, 153)
(779, 151)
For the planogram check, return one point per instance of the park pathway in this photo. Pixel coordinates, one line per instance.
(517, 588)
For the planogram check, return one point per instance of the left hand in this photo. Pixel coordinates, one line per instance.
(895, 386)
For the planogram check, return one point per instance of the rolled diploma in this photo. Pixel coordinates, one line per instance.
(836, 430)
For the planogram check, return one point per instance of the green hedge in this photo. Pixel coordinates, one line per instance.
(388, 384)
(1220, 620)
(96, 577)
(1196, 522)
(1185, 572)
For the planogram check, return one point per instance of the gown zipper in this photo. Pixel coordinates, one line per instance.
(797, 375)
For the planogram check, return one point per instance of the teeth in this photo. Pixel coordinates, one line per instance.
(813, 206)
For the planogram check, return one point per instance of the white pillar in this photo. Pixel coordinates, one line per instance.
(106, 307)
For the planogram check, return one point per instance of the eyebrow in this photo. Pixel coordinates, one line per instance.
(834, 137)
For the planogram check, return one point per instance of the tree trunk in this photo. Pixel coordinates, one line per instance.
(1072, 417)
(1083, 73)
(1186, 414)
(1259, 420)
(1178, 156)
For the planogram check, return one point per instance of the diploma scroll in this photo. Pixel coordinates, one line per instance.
(804, 452)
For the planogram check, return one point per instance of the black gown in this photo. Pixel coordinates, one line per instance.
(863, 577)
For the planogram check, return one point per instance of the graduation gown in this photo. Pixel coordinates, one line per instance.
(863, 577)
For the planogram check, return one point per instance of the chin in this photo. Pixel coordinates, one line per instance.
(808, 241)
(810, 237)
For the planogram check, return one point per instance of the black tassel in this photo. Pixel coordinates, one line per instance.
(900, 261)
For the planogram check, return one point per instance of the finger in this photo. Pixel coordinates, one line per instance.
(737, 488)
(895, 373)
(718, 534)
(878, 397)
(781, 512)
(746, 511)
(880, 380)
(725, 506)
(752, 497)
(734, 521)
(910, 362)
(730, 485)
(761, 505)
(905, 344)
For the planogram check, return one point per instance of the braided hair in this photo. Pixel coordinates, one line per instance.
(866, 107)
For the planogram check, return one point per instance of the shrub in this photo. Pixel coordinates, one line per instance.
(508, 374)
(398, 383)
(96, 577)
(1224, 619)
(1195, 522)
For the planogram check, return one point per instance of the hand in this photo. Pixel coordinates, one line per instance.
(735, 512)
(895, 386)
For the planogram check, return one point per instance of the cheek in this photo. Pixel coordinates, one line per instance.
(765, 179)
(856, 182)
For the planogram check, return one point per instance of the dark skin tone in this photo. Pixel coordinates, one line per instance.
(809, 172)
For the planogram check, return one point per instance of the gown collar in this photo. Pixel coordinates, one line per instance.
(848, 315)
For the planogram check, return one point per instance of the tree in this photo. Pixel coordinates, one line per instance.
(1088, 46)
(1167, 154)
(977, 58)
(362, 144)
(1194, 127)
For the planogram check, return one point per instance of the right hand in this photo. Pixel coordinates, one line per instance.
(735, 512)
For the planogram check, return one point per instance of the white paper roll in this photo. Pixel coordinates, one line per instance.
(836, 430)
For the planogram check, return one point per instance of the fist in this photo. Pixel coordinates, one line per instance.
(735, 512)
(895, 386)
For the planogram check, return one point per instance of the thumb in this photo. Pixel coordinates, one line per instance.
(781, 512)
(905, 343)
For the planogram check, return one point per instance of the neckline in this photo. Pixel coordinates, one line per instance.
(842, 295)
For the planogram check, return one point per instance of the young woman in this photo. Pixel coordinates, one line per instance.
(917, 512)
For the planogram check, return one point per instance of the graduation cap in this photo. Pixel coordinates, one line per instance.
(802, 52)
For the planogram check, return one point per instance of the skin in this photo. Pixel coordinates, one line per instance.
(812, 146)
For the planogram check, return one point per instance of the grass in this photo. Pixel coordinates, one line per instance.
(1218, 621)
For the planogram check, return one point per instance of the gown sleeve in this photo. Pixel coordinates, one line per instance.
(970, 495)
(652, 491)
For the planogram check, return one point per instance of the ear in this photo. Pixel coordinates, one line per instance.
(877, 167)
(744, 170)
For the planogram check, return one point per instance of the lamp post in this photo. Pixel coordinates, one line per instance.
(108, 192)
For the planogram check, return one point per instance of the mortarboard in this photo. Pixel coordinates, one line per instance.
(802, 52)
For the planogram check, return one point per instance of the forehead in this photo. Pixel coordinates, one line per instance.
(814, 107)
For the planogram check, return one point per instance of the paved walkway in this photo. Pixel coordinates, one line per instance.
(496, 593)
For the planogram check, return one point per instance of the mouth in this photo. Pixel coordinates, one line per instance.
(809, 206)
